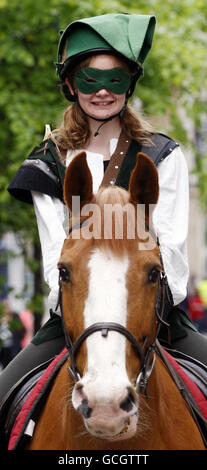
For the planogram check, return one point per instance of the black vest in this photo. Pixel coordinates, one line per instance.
(42, 171)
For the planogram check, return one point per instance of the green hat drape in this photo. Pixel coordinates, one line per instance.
(129, 35)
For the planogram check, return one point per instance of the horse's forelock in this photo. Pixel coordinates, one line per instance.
(116, 201)
(112, 195)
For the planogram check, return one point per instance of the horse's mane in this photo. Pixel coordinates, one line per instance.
(117, 231)
(112, 195)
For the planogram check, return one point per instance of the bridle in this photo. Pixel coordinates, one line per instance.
(146, 354)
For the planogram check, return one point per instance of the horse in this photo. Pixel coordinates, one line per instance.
(114, 392)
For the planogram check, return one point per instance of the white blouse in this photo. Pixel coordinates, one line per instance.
(170, 219)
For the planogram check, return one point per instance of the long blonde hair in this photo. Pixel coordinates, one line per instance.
(74, 132)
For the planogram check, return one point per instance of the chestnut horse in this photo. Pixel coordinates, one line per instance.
(115, 392)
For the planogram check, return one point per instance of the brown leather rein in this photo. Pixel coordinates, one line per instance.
(145, 355)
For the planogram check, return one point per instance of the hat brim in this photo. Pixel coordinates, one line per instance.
(73, 61)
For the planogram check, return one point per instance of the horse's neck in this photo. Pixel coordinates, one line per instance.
(170, 422)
(162, 392)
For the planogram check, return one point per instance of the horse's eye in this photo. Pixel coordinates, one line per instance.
(64, 274)
(153, 275)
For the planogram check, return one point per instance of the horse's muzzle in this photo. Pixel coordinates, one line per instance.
(114, 419)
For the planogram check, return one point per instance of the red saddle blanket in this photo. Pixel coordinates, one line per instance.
(191, 386)
(25, 421)
(25, 418)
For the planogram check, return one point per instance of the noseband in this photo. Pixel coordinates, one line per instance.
(145, 355)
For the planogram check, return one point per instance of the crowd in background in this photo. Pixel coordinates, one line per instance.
(195, 304)
(16, 331)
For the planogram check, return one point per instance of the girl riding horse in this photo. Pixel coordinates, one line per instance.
(100, 59)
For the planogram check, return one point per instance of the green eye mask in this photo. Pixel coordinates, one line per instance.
(89, 80)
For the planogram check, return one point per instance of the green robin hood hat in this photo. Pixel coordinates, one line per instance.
(127, 35)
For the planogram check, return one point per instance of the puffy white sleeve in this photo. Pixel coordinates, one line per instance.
(50, 219)
(170, 219)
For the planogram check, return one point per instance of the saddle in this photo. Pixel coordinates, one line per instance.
(195, 369)
(190, 377)
(25, 407)
(21, 408)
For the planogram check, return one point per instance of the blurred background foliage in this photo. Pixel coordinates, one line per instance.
(175, 76)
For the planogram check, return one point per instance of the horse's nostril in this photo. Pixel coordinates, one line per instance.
(84, 409)
(128, 402)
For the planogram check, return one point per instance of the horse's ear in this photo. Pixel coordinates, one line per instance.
(78, 181)
(144, 183)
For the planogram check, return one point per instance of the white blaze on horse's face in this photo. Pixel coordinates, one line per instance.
(106, 302)
(105, 398)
